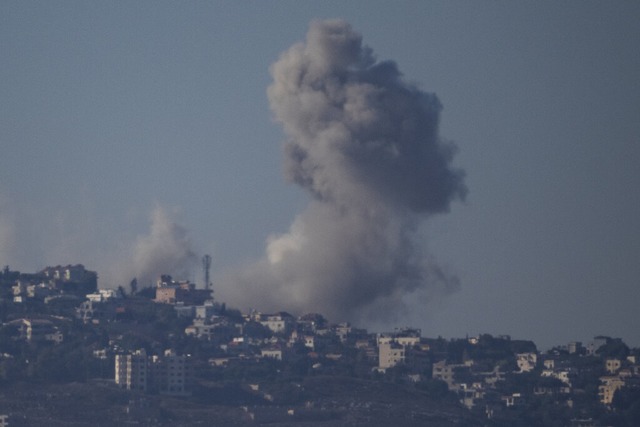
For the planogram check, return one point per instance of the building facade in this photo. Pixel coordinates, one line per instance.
(169, 374)
(132, 371)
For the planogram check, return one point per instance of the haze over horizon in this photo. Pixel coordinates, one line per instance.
(140, 136)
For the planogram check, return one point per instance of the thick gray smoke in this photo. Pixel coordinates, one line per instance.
(365, 144)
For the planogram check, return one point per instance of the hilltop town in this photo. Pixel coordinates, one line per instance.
(170, 354)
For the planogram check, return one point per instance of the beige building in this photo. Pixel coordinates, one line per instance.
(390, 354)
(169, 291)
(563, 375)
(612, 365)
(608, 388)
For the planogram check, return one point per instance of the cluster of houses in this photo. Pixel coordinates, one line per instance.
(282, 336)
(71, 282)
(240, 338)
(474, 383)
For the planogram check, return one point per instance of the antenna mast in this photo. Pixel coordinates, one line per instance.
(206, 265)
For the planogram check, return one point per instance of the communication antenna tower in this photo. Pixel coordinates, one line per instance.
(206, 265)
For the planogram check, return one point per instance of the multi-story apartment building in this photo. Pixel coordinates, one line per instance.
(607, 389)
(390, 354)
(171, 374)
(167, 374)
(132, 371)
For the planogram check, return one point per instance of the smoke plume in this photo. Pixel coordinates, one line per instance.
(365, 145)
(167, 249)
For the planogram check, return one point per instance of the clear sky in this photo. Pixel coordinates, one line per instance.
(135, 127)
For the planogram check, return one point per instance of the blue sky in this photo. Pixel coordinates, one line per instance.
(114, 115)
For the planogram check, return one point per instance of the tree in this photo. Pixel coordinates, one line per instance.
(133, 286)
(121, 292)
(614, 347)
(626, 401)
(147, 292)
(253, 329)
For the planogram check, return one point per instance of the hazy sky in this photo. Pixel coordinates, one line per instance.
(139, 134)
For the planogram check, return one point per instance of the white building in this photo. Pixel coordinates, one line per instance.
(102, 295)
(271, 353)
(280, 323)
(405, 337)
(563, 375)
(206, 310)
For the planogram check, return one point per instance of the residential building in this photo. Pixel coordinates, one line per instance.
(405, 337)
(68, 273)
(342, 331)
(612, 365)
(278, 323)
(574, 347)
(102, 295)
(132, 371)
(171, 373)
(271, 353)
(311, 322)
(444, 372)
(563, 375)
(470, 395)
(595, 345)
(512, 399)
(95, 312)
(526, 362)
(206, 310)
(168, 291)
(390, 354)
(608, 388)
(167, 374)
(73, 279)
(199, 329)
(34, 330)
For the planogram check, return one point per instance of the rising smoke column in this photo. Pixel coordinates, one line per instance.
(166, 249)
(365, 144)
